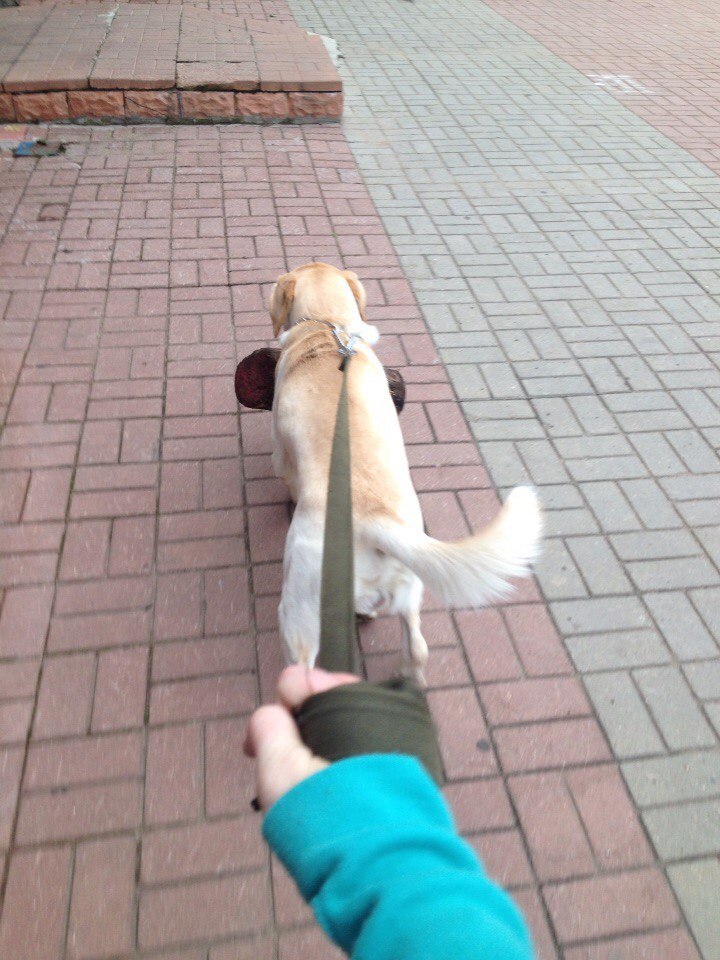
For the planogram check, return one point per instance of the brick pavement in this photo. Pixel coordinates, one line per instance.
(564, 254)
(140, 568)
(143, 530)
(661, 60)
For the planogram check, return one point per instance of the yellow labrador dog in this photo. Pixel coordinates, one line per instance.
(393, 556)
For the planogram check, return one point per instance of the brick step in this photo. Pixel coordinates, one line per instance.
(135, 62)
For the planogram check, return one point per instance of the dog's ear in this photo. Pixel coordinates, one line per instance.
(281, 298)
(358, 291)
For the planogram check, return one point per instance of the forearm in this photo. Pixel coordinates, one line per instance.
(373, 849)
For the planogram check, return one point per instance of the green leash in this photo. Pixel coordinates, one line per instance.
(338, 630)
(360, 718)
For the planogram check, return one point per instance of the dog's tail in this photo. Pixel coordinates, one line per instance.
(474, 571)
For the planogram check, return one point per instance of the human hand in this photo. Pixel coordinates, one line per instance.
(273, 739)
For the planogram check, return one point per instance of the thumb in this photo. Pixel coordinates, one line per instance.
(283, 760)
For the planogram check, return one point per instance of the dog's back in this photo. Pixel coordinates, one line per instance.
(308, 391)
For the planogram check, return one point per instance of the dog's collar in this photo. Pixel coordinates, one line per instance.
(345, 341)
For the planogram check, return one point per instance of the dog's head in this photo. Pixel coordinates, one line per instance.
(318, 291)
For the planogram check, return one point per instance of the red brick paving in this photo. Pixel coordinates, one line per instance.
(127, 262)
(155, 654)
(160, 61)
(140, 560)
(662, 60)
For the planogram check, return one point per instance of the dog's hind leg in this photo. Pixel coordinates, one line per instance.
(415, 648)
(299, 611)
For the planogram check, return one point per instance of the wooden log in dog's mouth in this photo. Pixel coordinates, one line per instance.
(255, 380)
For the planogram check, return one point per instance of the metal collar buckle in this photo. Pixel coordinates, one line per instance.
(345, 341)
(347, 348)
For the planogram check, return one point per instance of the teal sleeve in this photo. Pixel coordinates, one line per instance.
(373, 849)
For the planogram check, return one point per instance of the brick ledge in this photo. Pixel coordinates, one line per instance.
(170, 106)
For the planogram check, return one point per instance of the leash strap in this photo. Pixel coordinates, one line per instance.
(359, 718)
(338, 630)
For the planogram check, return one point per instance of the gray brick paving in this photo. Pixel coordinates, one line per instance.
(704, 678)
(627, 721)
(713, 712)
(655, 544)
(674, 708)
(629, 648)
(588, 616)
(565, 255)
(669, 779)
(560, 576)
(655, 510)
(602, 570)
(707, 604)
(710, 539)
(685, 632)
(671, 574)
(607, 500)
(695, 885)
(679, 831)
